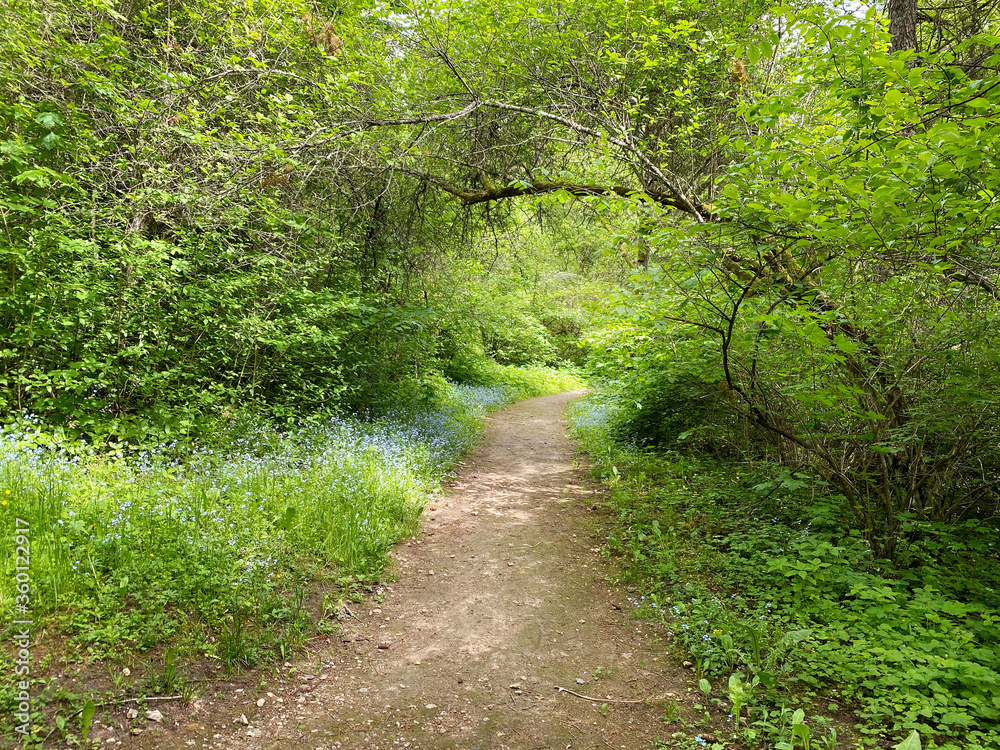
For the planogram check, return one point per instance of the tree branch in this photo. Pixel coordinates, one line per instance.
(351, 127)
(471, 197)
(678, 197)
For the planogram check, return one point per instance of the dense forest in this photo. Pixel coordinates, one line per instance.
(266, 263)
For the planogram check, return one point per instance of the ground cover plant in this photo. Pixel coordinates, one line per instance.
(214, 549)
(781, 608)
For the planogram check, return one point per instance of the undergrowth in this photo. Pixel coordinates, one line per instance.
(217, 547)
(757, 577)
(517, 382)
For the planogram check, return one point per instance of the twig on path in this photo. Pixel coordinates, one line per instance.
(602, 700)
(348, 611)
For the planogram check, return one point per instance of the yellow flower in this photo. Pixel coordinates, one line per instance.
(6, 492)
(4, 502)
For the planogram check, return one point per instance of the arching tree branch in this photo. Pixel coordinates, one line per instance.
(678, 197)
(471, 197)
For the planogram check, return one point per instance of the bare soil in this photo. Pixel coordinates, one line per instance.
(502, 600)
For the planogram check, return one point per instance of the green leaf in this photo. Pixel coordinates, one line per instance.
(893, 97)
(287, 520)
(37, 176)
(735, 687)
(86, 717)
(980, 103)
(910, 743)
(795, 636)
(802, 731)
(48, 120)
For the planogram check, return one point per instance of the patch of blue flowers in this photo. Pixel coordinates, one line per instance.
(184, 529)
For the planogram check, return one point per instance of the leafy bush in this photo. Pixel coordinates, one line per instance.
(667, 414)
(843, 296)
(518, 339)
(658, 399)
(166, 255)
(566, 325)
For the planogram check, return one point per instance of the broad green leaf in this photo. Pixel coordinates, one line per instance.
(48, 120)
(38, 176)
(86, 716)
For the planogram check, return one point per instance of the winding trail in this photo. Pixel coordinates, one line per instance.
(498, 602)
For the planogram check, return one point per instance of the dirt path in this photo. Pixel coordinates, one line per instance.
(501, 600)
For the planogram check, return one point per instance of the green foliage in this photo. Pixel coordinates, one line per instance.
(169, 248)
(529, 303)
(832, 330)
(86, 716)
(750, 571)
(207, 213)
(839, 314)
(516, 383)
(517, 339)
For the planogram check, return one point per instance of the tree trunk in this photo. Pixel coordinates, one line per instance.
(903, 24)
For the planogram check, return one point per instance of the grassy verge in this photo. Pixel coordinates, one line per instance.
(234, 550)
(517, 383)
(781, 608)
